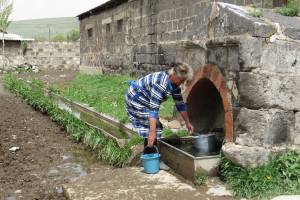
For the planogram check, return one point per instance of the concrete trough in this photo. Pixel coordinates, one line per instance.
(186, 163)
(112, 128)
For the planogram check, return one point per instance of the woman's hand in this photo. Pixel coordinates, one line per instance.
(190, 127)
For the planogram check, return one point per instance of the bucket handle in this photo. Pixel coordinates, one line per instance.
(155, 147)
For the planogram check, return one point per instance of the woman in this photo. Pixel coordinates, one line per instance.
(145, 96)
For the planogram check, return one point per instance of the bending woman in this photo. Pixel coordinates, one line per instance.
(145, 96)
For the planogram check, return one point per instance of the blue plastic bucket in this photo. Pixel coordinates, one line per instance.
(151, 162)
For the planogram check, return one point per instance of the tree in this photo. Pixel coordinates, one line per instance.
(6, 7)
(73, 35)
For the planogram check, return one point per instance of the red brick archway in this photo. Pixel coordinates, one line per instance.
(212, 73)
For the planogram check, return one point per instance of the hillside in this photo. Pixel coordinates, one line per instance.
(40, 27)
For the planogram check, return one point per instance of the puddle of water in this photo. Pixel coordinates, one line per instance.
(74, 166)
(85, 158)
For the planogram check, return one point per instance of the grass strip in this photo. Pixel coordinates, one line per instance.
(280, 176)
(105, 148)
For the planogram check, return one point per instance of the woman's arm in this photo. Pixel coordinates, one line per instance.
(152, 134)
(182, 108)
(188, 124)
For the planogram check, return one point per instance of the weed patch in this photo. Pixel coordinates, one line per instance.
(200, 179)
(278, 177)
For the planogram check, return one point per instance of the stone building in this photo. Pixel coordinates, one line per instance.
(247, 69)
(12, 43)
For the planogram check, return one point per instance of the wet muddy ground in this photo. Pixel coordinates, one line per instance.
(47, 157)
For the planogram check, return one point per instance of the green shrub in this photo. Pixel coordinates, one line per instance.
(291, 9)
(59, 38)
(279, 176)
(73, 35)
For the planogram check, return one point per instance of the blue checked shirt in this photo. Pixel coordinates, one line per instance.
(152, 90)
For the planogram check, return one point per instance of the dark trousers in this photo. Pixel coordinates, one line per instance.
(148, 150)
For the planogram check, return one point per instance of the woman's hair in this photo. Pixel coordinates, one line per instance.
(181, 70)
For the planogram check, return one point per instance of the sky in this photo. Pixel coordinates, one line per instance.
(35, 9)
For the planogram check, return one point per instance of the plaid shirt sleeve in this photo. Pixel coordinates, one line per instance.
(179, 103)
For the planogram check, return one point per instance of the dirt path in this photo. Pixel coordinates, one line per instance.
(47, 157)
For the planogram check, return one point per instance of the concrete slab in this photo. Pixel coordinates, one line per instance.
(133, 184)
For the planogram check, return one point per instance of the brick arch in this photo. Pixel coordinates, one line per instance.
(212, 73)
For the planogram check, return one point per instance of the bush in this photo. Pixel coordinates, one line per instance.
(291, 9)
(59, 38)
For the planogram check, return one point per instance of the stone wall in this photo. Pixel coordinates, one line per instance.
(152, 34)
(44, 55)
(53, 55)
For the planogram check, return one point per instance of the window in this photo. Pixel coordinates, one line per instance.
(120, 25)
(90, 33)
(107, 26)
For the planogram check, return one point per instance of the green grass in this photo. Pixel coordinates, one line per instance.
(39, 28)
(105, 148)
(167, 133)
(255, 12)
(106, 93)
(291, 9)
(278, 177)
(200, 179)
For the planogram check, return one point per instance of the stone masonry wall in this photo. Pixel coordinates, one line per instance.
(151, 35)
(53, 55)
(45, 55)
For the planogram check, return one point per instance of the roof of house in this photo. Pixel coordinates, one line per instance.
(107, 5)
(13, 37)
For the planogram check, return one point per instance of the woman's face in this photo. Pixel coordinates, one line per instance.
(177, 80)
